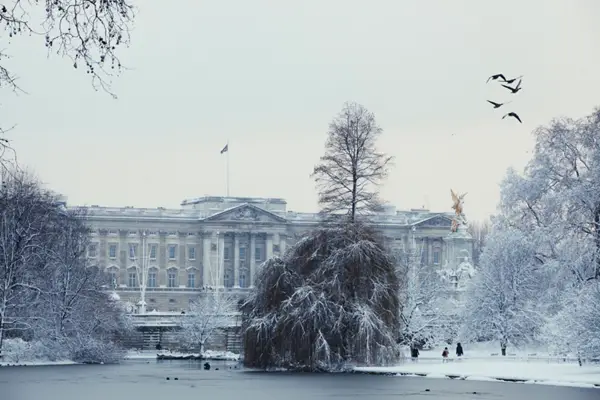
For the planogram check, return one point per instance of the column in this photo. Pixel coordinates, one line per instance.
(277, 242)
(282, 244)
(220, 261)
(252, 259)
(161, 277)
(101, 252)
(206, 236)
(123, 257)
(269, 245)
(236, 260)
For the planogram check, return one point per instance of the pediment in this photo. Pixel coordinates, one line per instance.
(438, 221)
(245, 213)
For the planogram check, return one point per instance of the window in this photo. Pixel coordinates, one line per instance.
(132, 250)
(226, 253)
(152, 279)
(436, 256)
(172, 278)
(243, 279)
(242, 253)
(257, 254)
(132, 279)
(172, 251)
(151, 300)
(191, 279)
(172, 301)
(93, 250)
(191, 253)
(153, 248)
(112, 279)
(112, 250)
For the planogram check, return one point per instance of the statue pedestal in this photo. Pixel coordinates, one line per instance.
(459, 247)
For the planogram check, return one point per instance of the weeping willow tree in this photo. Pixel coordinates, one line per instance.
(331, 301)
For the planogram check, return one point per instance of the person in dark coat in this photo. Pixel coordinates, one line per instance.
(459, 350)
(414, 353)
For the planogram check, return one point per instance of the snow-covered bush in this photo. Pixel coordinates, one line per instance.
(331, 301)
(93, 351)
(207, 314)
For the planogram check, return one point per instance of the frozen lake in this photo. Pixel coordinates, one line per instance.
(145, 380)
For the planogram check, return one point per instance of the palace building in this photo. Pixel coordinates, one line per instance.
(217, 243)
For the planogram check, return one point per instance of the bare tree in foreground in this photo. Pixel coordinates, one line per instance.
(207, 314)
(49, 292)
(351, 169)
(25, 211)
(332, 300)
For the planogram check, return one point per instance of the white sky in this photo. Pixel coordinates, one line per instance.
(269, 76)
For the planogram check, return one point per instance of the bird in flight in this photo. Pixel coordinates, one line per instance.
(494, 77)
(515, 89)
(510, 81)
(497, 105)
(514, 115)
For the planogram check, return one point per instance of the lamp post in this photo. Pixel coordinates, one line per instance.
(142, 271)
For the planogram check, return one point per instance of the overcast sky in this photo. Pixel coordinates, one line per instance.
(268, 76)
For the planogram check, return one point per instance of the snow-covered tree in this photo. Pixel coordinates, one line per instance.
(575, 329)
(555, 203)
(207, 315)
(558, 197)
(351, 169)
(49, 292)
(422, 297)
(331, 300)
(25, 213)
(502, 298)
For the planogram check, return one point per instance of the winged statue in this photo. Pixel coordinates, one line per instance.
(458, 201)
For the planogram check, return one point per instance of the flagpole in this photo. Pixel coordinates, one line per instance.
(227, 155)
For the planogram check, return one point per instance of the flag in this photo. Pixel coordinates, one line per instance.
(225, 148)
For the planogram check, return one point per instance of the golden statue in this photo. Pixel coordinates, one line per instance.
(458, 210)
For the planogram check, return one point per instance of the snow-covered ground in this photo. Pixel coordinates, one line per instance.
(207, 355)
(483, 362)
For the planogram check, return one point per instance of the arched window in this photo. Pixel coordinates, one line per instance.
(172, 277)
(113, 276)
(152, 277)
(191, 277)
(132, 277)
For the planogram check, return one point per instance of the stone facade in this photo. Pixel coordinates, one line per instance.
(217, 243)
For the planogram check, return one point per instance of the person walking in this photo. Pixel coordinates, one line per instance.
(459, 350)
(445, 355)
(414, 353)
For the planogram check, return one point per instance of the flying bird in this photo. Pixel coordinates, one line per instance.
(515, 89)
(510, 81)
(497, 105)
(494, 77)
(514, 115)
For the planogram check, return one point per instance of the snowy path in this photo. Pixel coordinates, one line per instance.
(538, 372)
